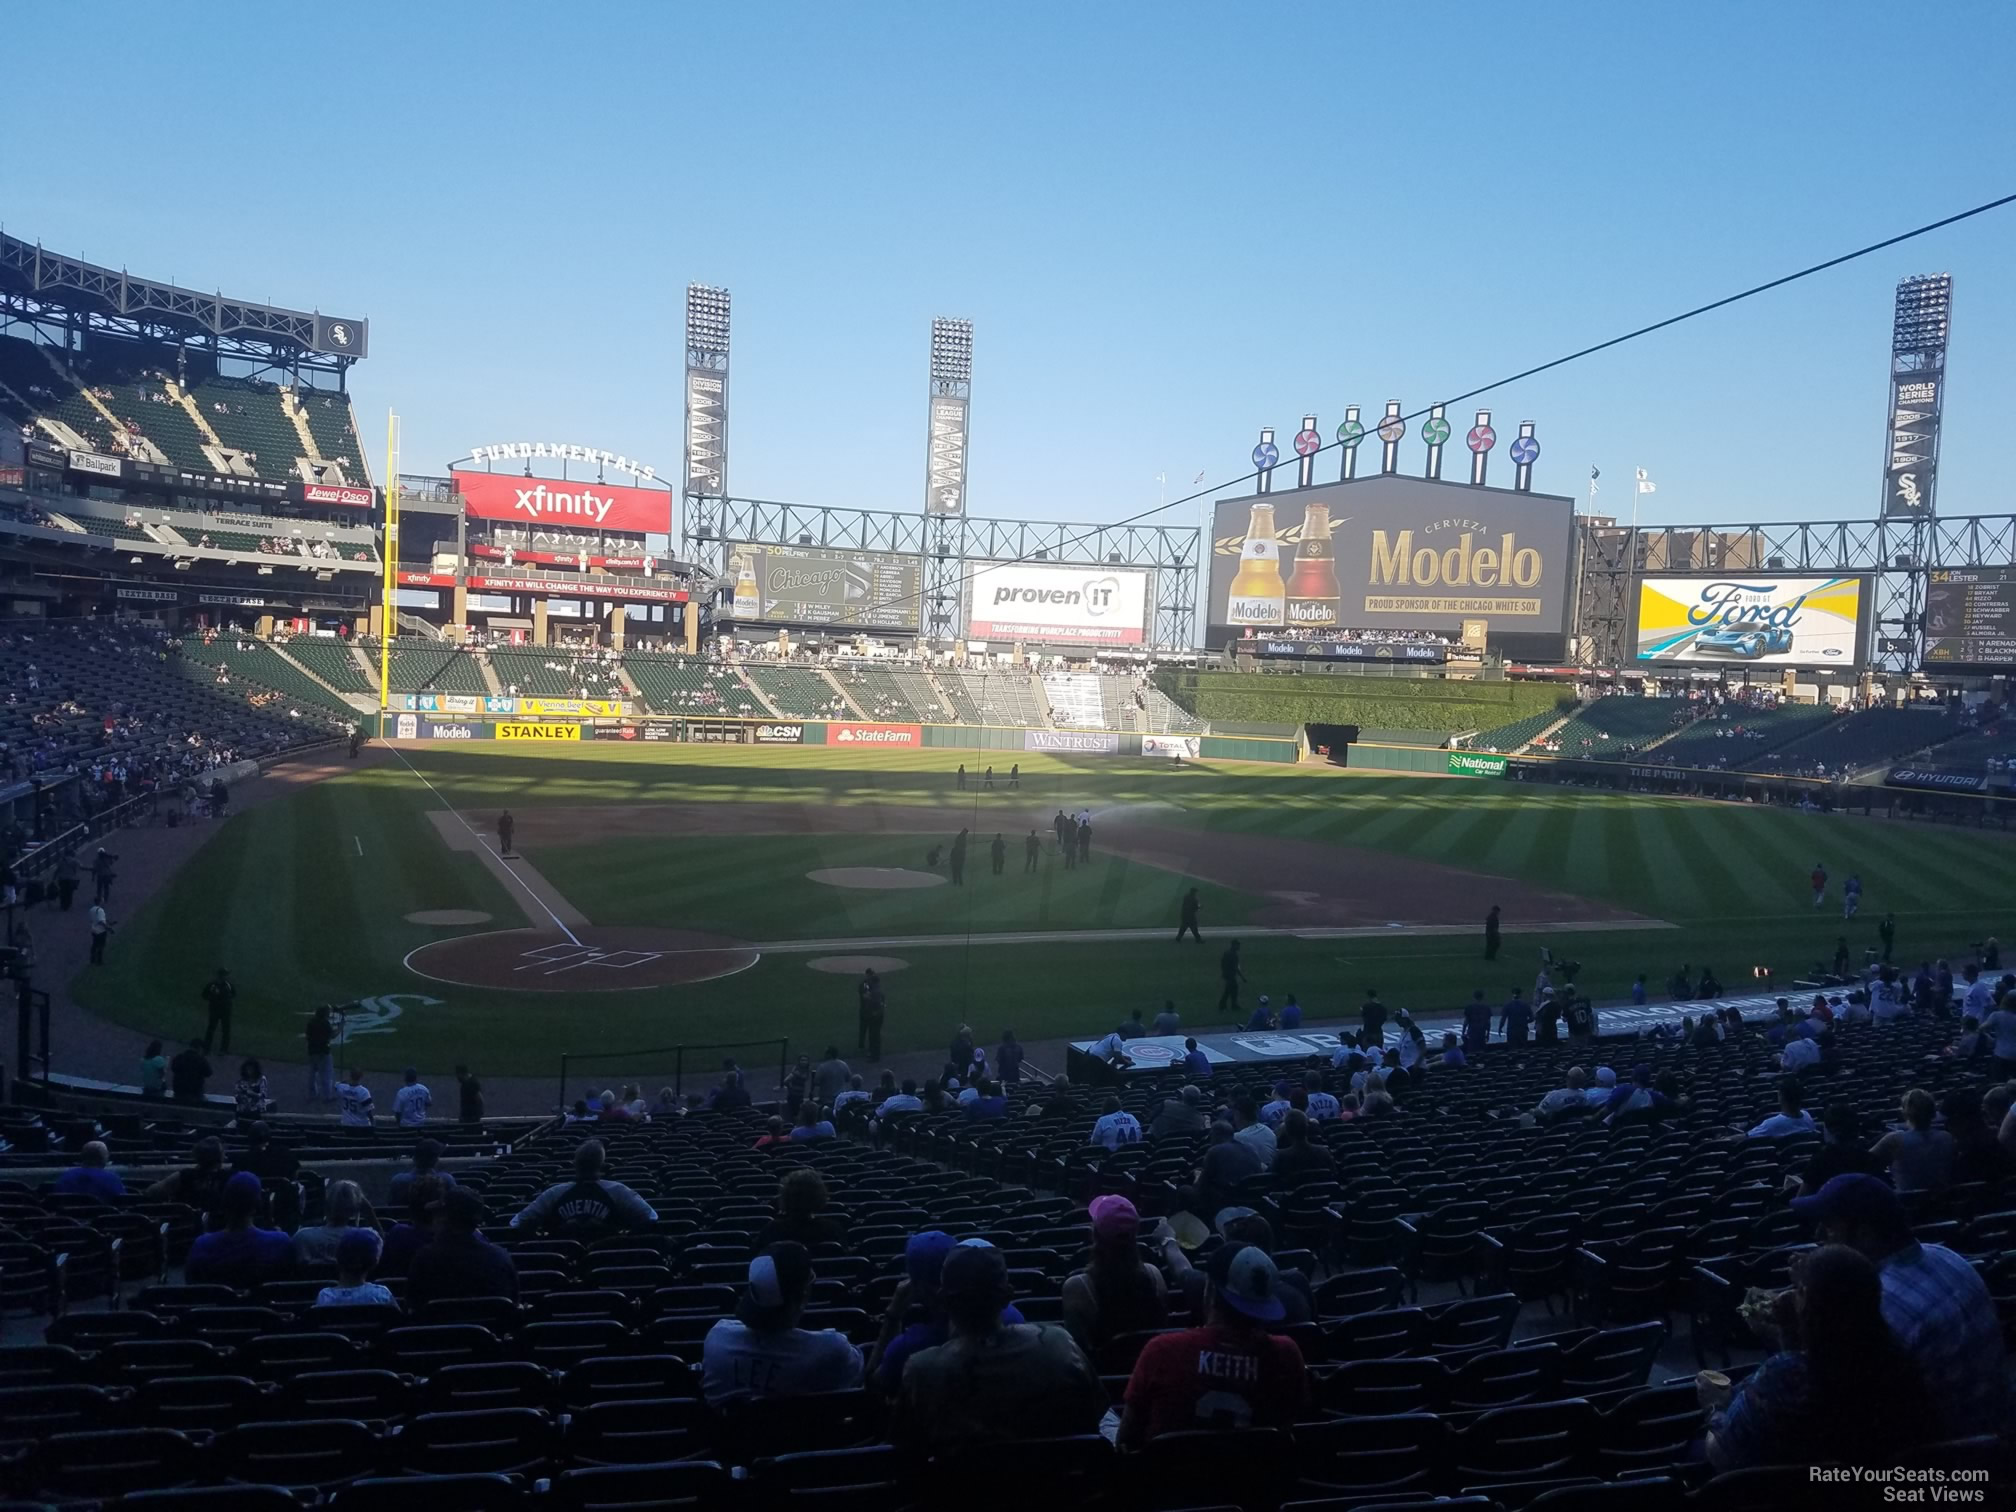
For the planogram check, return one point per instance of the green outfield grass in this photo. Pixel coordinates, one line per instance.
(305, 898)
(756, 888)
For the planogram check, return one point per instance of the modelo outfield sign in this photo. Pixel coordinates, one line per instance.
(561, 503)
(1390, 553)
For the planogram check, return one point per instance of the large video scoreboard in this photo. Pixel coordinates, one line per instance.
(1970, 617)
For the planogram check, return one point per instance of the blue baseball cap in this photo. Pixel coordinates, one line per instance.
(924, 1257)
(1855, 1198)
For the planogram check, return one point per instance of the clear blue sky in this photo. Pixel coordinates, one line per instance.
(1170, 224)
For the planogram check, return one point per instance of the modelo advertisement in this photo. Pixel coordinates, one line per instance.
(898, 736)
(563, 502)
(1082, 606)
(1072, 742)
(1431, 652)
(1389, 552)
(816, 585)
(413, 727)
(1751, 619)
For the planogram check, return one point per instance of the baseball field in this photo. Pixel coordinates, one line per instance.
(671, 894)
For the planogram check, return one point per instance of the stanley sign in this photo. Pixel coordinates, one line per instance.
(1394, 553)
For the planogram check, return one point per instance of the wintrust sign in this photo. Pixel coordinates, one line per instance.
(556, 501)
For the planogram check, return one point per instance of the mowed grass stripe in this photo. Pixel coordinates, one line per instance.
(1455, 835)
(1585, 859)
(1513, 850)
(1684, 843)
(1623, 832)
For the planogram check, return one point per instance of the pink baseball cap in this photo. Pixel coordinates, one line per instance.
(1113, 1217)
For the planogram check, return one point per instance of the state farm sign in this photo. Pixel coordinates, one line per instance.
(874, 735)
(563, 504)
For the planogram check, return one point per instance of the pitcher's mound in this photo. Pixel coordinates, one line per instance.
(875, 877)
(855, 965)
(448, 916)
(594, 960)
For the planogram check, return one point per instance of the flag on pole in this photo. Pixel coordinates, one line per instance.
(1594, 474)
(1645, 484)
(1196, 480)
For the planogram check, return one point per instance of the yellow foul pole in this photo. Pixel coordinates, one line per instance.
(388, 611)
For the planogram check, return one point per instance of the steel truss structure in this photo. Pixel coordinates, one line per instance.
(66, 297)
(1897, 552)
(1170, 551)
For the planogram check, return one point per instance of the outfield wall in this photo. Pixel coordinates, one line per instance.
(1385, 703)
(1010, 741)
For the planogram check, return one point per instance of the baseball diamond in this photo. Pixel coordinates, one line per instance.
(663, 893)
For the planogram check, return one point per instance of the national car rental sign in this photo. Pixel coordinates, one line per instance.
(563, 504)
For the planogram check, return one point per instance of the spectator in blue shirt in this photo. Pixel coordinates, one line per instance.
(989, 1104)
(1791, 1117)
(1638, 990)
(1195, 1061)
(1291, 1013)
(923, 1265)
(1842, 1387)
(1263, 1015)
(1515, 1018)
(811, 1126)
(93, 1178)
(240, 1254)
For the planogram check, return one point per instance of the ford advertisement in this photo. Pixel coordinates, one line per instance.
(1753, 619)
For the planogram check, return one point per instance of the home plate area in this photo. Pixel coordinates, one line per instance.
(595, 959)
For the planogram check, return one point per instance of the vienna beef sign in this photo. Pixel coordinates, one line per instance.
(563, 504)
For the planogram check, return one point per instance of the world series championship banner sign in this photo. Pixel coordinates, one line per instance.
(1390, 552)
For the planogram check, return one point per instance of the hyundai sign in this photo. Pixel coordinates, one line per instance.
(1080, 606)
(1753, 619)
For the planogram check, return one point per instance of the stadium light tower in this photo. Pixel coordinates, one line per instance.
(945, 469)
(706, 486)
(1919, 325)
(1920, 322)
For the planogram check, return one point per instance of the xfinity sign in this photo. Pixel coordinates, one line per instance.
(540, 504)
(1035, 601)
(558, 502)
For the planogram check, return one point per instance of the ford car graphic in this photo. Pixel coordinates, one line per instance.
(1746, 641)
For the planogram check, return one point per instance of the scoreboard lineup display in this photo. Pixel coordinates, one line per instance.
(1970, 617)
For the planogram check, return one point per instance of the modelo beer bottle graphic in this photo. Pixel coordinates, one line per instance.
(1312, 589)
(748, 602)
(1258, 596)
